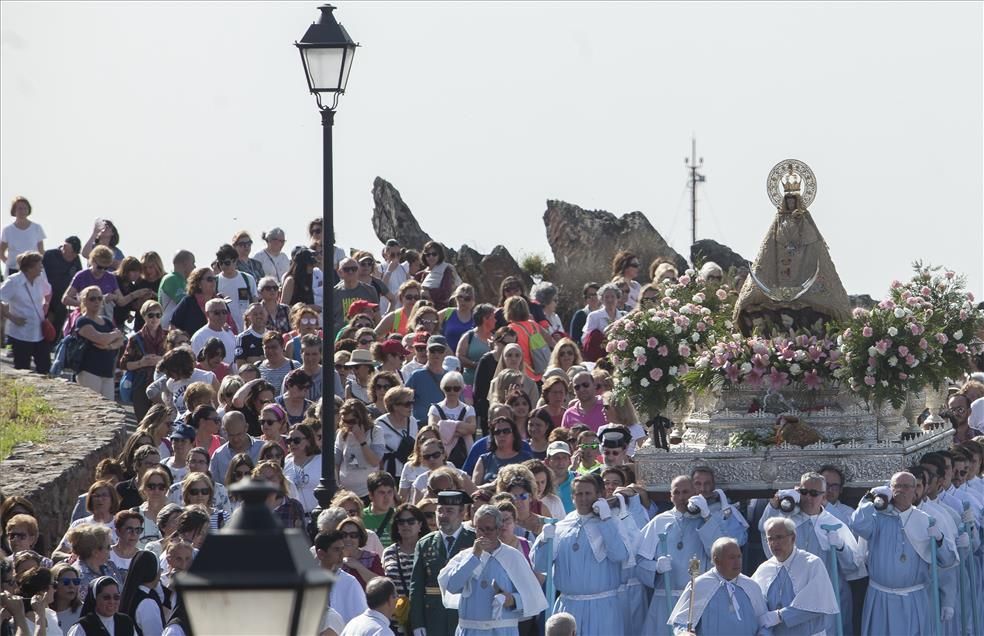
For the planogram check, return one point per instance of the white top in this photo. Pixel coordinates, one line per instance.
(275, 266)
(54, 629)
(409, 368)
(393, 280)
(409, 474)
(353, 471)
(239, 289)
(420, 483)
(177, 388)
(597, 321)
(332, 620)
(305, 478)
(108, 623)
(317, 286)
(368, 623)
(347, 597)
(391, 438)
(25, 300)
(228, 339)
(148, 616)
(19, 241)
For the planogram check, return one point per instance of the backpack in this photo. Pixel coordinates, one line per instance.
(69, 355)
(537, 345)
(126, 382)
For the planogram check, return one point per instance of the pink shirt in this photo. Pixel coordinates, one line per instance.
(593, 418)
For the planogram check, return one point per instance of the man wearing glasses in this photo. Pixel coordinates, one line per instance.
(216, 313)
(236, 286)
(348, 290)
(809, 518)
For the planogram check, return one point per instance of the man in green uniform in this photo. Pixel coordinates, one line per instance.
(428, 617)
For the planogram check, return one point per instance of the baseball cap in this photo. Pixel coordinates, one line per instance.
(451, 363)
(182, 431)
(558, 447)
(420, 339)
(361, 307)
(393, 347)
(437, 341)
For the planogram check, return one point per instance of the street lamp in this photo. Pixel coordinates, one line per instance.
(327, 52)
(254, 577)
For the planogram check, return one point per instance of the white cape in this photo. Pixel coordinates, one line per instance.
(513, 562)
(811, 584)
(917, 532)
(707, 585)
(591, 524)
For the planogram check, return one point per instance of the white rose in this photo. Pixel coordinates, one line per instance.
(885, 383)
(795, 369)
(958, 334)
(695, 337)
(638, 351)
(673, 371)
(899, 312)
(799, 355)
(892, 331)
(677, 329)
(728, 324)
(626, 381)
(746, 368)
(872, 352)
(644, 382)
(893, 361)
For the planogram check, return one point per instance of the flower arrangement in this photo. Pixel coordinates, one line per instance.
(800, 360)
(715, 301)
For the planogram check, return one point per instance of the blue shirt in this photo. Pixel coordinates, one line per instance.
(426, 386)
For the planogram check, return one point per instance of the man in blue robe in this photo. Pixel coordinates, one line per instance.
(588, 552)
(725, 602)
(899, 560)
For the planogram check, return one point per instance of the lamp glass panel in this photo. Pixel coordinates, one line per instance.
(347, 65)
(324, 68)
(315, 601)
(218, 612)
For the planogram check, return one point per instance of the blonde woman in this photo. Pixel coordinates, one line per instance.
(104, 342)
(359, 447)
(565, 355)
(425, 318)
(414, 464)
(198, 489)
(289, 510)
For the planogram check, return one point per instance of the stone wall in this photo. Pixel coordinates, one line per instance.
(54, 473)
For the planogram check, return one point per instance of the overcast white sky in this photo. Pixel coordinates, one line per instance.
(182, 122)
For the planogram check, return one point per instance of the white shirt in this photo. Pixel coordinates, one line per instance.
(177, 388)
(54, 629)
(317, 286)
(148, 617)
(25, 300)
(108, 623)
(305, 478)
(597, 321)
(225, 335)
(332, 620)
(275, 266)
(347, 597)
(19, 241)
(240, 289)
(368, 623)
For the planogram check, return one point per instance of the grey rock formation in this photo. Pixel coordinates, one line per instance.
(706, 250)
(392, 218)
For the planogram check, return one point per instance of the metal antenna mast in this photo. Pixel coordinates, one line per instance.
(693, 163)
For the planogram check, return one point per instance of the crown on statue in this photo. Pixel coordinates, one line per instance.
(791, 182)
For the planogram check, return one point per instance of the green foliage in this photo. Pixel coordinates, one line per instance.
(533, 264)
(24, 415)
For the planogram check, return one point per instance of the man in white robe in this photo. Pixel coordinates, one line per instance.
(725, 601)
(795, 584)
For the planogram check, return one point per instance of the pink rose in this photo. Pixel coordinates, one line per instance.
(640, 360)
(622, 345)
(682, 369)
(656, 374)
(925, 291)
(949, 274)
(923, 344)
(941, 338)
(961, 348)
(883, 345)
(610, 346)
(869, 380)
(702, 326)
(896, 284)
(903, 350)
(663, 351)
(684, 280)
(721, 294)
(683, 350)
(652, 343)
(903, 376)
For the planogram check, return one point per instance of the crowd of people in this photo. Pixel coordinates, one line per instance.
(484, 461)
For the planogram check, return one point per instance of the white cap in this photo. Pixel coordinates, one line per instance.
(558, 447)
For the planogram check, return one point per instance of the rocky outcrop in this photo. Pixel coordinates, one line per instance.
(392, 218)
(706, 250)
(865, 301)
(53, 473)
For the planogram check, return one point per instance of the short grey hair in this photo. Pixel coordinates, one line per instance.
(561, 624)
(544, 293)
(453, 378)
(812, 476)
(330, 518)
(720, 545)
(215, 302)
(609, 287)
(267, 280)
(487, 511)
(783, 521)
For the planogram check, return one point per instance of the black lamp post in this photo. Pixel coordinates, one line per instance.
(327, 52)
(254, 577)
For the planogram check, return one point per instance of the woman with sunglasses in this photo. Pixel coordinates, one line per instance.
(240, 466)
(505, 448)
(396, 429)
(414, 464)
(511, 359)
(144, 349)
(251, 399)
(458, 319)
(65, 603)
(132, 296)
(369, 275)
(298, 282)
(103, 503)
(565, 355)
(98, 274)
(129, 527)
(511, 287)
(101, 611)
(303, 464)
(277, 313)
(438, 278)
(198, 489)
(538, 427)
(284, 507)
(305, 321)
(273, 451)
(398, 320)
(363, 564)
(425, 318)
(409, 527)
(154, 486)
(359, 447)
(626, 266)
(294, 400)
(189, 316)
(433, 457)
(274, 426)
(380, 382)
(90, 549)
(454, 419)
(98, 368)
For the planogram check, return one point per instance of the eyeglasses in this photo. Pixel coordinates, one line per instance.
(17, 536)
(269, 288)
(452, 389)
(219, 312)
(308, 321)
(565, 352)
(99, 268)
(108, 597)
(349, 269)
(406, 521)
(430, 515)
(502, 431)
(523, 496)
(228, 261)
(199, 491)
(155, 314)
(295, 440)
(351, 535)
(408, 403)
(512, 288)
(428, 321)
(809, 491)
(412, 297)
(155, 486)
(589, 446)
(382, 386)
(315, 230)
(633, 264)
(269, 422)
(241, 473)
(93, 299)
(433, 455)
(367, 263)
(133, 529)
(959, 409)
(465, 298)
(209, 279)
(583, 385)
(69, 581)
(366, 341)
(244, 244)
